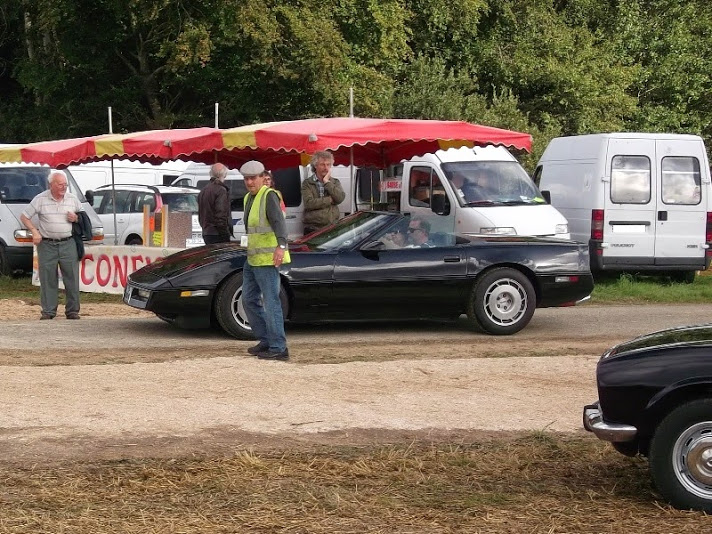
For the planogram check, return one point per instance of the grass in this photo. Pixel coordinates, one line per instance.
(626, 288)
(538, 482)
(20, 287)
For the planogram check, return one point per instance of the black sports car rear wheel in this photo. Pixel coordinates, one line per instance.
(230, 311)
(681, 456)
(502, 302)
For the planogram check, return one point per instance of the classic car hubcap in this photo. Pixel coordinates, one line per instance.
(692, 457)
(505, 301)
(238, 310)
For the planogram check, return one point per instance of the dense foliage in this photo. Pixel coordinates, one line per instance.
(548, 67)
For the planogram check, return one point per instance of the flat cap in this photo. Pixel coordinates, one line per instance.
(252, 168)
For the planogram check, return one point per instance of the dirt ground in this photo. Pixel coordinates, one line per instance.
(122, 383)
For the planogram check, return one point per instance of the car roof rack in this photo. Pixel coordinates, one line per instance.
(151, 187)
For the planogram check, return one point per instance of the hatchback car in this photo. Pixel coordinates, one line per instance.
(130, 201)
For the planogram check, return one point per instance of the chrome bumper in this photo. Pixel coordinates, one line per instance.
(614, 432)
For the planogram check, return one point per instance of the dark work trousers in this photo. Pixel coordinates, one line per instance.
(212, 239)
(63, 254)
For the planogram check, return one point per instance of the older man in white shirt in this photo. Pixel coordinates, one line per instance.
(56, 210)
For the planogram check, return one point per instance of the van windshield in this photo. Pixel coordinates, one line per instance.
(491, 183)
(19, 185)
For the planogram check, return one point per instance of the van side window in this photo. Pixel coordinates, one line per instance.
(681, 180)
(122, 198)
(419, 186)
(630, 180)
(185, 182)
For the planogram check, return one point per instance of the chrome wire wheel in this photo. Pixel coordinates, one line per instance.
(692, 459)
(505, 302)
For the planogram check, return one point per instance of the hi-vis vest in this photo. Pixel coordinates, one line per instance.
(261, 240)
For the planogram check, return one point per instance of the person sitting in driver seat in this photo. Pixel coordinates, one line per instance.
(418, 234)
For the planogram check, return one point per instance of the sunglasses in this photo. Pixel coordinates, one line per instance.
(411, 230)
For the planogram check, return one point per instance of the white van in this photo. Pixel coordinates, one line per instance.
(641, 200)
(92, 175)
(448, 188)
(19, 184)
(287, 181)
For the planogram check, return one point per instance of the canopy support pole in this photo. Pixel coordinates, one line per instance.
(113, 185)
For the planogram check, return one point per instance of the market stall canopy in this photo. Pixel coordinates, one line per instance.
(370, 142)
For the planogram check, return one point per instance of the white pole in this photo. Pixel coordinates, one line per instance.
(113, 185)
(216, 115)
(354, 201)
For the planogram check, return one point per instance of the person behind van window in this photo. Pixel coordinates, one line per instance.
(321, 194)
(458, 184)
(266, 252)
(268, 180)
(418, 234)
(56, 209)
(214, 207)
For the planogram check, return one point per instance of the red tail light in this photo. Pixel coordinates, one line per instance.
(597, 224)
(708, 229)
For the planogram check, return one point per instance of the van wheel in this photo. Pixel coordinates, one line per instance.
(4, 263)
(502, 302)
(230, 311)
(683, 277)
(133, 240)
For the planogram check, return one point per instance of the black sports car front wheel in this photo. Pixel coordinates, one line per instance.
(230, 311)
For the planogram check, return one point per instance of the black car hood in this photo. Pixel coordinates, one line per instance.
(682, 335)
(183, 260)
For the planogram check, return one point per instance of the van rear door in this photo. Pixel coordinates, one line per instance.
(681, 204)
(630, 197)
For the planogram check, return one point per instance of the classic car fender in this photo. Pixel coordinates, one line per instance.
(670, 397)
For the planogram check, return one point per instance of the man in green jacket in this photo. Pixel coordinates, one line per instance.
(321, 194)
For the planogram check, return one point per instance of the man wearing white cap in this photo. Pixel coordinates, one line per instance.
(266, 251)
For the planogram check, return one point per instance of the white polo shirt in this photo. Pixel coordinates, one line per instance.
(52, 214)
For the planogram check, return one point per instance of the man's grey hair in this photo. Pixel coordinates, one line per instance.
(50, 179)
(322, 154)
(218, 171)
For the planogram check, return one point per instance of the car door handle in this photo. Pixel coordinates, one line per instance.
(451, 259)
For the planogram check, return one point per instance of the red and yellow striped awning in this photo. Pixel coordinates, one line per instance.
(370, 142)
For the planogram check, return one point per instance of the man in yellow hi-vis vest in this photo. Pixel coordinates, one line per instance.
(266, 242)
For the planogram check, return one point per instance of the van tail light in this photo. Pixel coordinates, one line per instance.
(597, 224)
(708, 234)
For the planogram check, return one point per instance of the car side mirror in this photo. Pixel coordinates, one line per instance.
(89, 196)
(440, 204)
(547, 196)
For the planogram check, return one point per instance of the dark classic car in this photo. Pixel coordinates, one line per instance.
(655, 398)
(353, 271)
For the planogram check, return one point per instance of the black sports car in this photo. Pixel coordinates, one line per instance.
(356, 270)
(655, 398)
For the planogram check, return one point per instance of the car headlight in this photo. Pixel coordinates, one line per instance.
(498, 230)
(562, 229)
(143, 293)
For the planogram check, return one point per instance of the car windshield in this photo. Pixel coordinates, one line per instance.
(181, 201)
(19, 185)
(491, 183)
(349, 231)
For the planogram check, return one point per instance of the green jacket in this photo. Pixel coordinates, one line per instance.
(321, 211)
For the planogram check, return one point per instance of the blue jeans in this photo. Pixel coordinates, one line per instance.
(261, 284)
